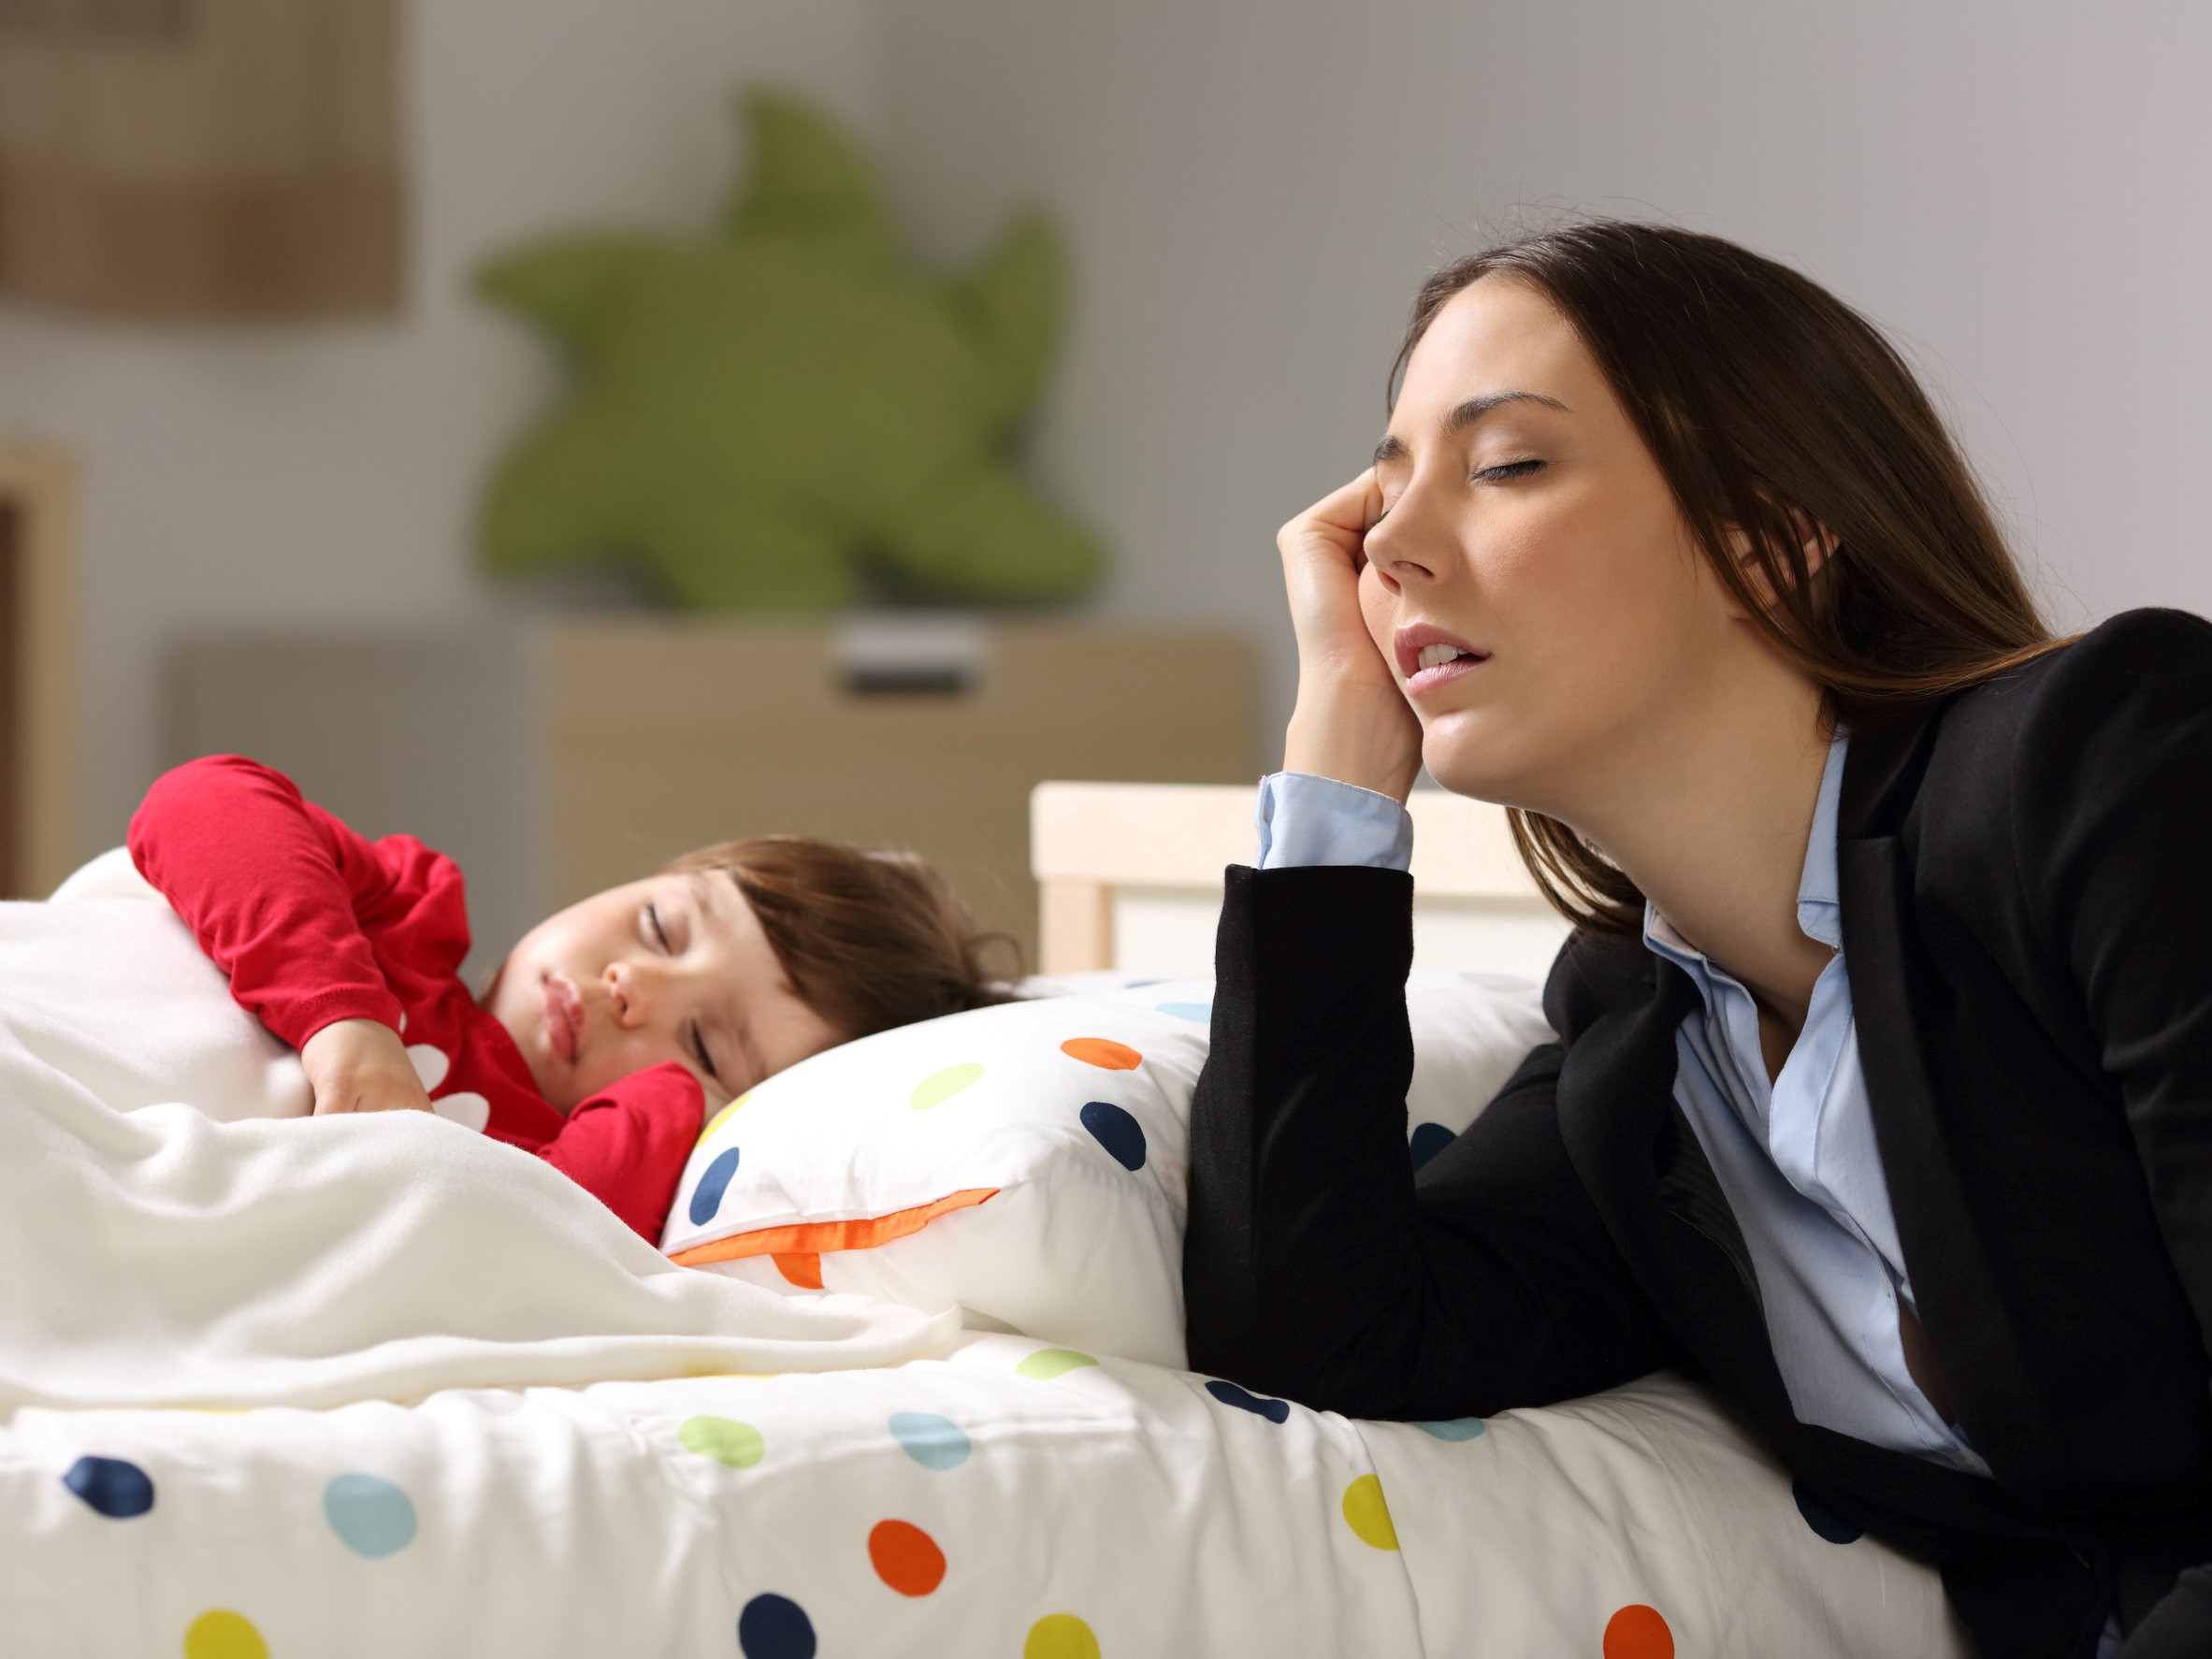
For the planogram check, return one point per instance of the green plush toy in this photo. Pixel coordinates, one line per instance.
(760, 414)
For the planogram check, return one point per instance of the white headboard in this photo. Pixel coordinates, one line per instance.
(1129, 876)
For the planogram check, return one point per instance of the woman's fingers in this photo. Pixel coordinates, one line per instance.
(1336, 523)
(1352, 722)
(1355, 506)
(1321, 561)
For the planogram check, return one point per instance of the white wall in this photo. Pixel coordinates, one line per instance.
(2015, 192)
(1253, 188)
(306, 474)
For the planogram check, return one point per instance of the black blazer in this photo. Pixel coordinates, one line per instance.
(2025, 871)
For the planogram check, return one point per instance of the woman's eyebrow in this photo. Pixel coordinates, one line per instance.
(1393, 448)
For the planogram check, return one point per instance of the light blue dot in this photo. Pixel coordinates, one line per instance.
(706, 1198)
(1201, 1012)
(1457, 1428)
(934, 1442)
(372, 1516)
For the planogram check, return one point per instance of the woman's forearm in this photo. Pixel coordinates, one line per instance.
(1316, 1266)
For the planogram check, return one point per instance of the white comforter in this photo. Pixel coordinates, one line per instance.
(152, 1254)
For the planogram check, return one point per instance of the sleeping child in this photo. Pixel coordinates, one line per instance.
(603, 1036)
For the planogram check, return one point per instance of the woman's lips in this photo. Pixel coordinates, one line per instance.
(1418, 646)
(564, 1016)
(1423, 681)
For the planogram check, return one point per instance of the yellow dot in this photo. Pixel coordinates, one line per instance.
(721, 1118)
(1060, 1635)
(940, 1087)
(223, 1635)
(1367, 1515)
(1049, 1363)
(724, 1439)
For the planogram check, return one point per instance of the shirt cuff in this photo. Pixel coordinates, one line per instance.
(1303, 819)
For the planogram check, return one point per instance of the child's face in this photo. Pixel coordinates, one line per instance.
(673, 967)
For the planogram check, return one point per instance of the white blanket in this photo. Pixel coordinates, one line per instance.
(154, 1254)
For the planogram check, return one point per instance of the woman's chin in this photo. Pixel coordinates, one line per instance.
(1460, 761)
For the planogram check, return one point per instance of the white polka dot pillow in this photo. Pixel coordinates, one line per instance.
(1027, 1161)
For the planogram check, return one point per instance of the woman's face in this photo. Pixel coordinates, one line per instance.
(1525, 522)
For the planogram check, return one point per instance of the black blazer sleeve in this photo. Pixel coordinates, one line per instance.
(2112, 815)
(2112, 819)
(1317, 1266)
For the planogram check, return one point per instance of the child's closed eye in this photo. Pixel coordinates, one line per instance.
(706, 1060)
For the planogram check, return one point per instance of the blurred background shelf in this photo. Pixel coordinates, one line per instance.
(558, 758)
(39, 739)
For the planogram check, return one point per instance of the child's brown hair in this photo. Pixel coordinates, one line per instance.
(869, 940)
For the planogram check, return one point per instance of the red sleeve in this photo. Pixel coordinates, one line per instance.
(627, 1144)
(271, 887)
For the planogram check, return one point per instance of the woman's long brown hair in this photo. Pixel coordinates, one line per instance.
(1766, 401)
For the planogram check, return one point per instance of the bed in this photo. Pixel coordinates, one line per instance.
(1005, 1491)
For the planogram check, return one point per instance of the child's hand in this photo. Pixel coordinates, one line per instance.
(360, 1065)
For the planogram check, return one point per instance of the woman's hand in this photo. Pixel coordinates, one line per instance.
(360, 1065)
(1352, 722)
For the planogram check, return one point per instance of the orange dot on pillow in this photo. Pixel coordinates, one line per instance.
(1638, 1631)
(905, 1557)
(803, 1270)
(1103, 1052)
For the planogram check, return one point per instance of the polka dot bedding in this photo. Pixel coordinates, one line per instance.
(1030, 1496)
(1028, 1162)
(1006, 1498)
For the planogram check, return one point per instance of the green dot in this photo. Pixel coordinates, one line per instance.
(940, 1087)
(1049, 1363)
(724, 1439)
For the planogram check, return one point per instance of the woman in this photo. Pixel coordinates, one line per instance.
(1666, 550)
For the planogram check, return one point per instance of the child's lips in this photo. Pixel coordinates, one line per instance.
(564, 1016)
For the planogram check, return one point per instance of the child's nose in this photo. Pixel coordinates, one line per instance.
(625, 996)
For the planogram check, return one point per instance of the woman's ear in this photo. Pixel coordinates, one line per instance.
(1816, 540)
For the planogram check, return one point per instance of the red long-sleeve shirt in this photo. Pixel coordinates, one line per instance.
(313, 923)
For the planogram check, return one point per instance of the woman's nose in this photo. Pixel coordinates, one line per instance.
(1408, 546)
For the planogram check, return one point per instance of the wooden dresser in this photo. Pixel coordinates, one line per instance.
(555, 757)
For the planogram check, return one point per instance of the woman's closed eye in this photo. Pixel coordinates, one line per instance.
(655, 927)
(1508, 471)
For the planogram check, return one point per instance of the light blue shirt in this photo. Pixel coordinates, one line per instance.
(1795, 1157)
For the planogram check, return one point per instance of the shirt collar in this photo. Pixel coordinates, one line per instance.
(1819, 911)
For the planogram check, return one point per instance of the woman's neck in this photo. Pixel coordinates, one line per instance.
(1711, 820)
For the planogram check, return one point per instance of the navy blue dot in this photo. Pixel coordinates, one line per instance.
(1117, 1132)
(116, 1489)
(1822, 1519)
(1429, 1140)
(1228, 1394)
(774, 1627)
(707, 1197)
